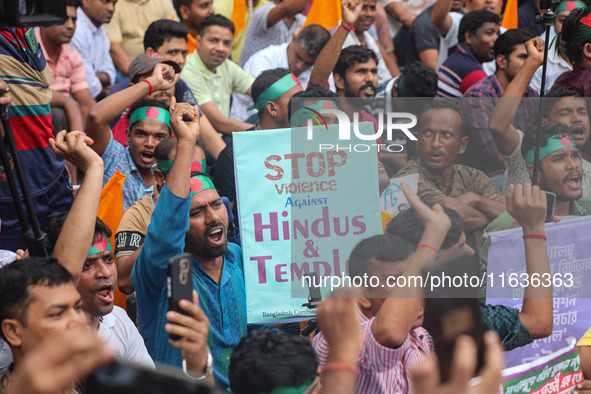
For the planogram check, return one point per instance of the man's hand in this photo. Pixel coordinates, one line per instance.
(584, 387)
(193, 331)
(61, 359)
(433, 218)
(425, 377)
(74, 147)
(163, 77)
(5, 97)
(351, 11)
(338, 317)
(527, 205)
(184, 130)
(535, 51)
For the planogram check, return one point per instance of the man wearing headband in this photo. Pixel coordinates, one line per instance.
(271, 91)
(510, 54)
(149, 123)
(565, 105)
(191, 217)
(298, 55)
(576, 33)
(133, 226)
(558, 62)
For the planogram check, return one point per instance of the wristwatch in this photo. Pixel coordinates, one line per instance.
(208, 368)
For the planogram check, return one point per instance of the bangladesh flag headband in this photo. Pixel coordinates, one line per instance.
(568, 6)
(100, 243)
(200, 183)
(150, 113)
(165, 165)
(555, 143)
(275, 91)
(583, 30)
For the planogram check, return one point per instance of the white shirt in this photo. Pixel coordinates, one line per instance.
(556, 65)
(92, 44)
(274, 56)
(121, 334)
(383, 72)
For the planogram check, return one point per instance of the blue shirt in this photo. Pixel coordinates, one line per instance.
(117, 158)
(223, 303)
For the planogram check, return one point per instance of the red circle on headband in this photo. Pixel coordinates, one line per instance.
(196, 185)
(101, 243)
(571, 5)
(152, 113)
(196, 166)
(565, 140)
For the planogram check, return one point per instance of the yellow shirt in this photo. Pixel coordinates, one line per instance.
(131, 20)
(585, 339)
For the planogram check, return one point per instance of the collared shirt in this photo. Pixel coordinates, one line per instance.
(383, 369)
(68, 73)
(117, 158)
(481, 99)
(223, 303)
(464, 179)
(579, 77)
(459, 71)
(516, 170)
(259, 35)
(215, 87)
(555, 67)
(93, 46)
(131, 20)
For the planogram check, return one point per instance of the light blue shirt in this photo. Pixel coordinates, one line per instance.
(92, 44)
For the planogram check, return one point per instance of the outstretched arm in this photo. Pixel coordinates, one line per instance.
(500, 123)
(285, 9)
(440, 16)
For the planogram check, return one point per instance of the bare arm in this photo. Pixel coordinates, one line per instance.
(119, 57)
(473, 219)
(390, 60)
(97, 121)
(221, 123)
(501, 120)
(440, 16)
(73, 243)
(585, 356)
(397, 315)
(405, 17)
(327, 58)
(490, 207)
(430, 58)
(211, 139)
(85, 100)
(284, 10)
(71, 107)
(124, 267)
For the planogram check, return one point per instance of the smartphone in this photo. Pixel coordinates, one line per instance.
(551, 201)
(179, 283)
(315, 297)
(122, 378)
(451, 312)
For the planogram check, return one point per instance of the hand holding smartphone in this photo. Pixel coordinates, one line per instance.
(179, 284)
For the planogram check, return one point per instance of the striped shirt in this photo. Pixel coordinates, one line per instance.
(383, 369)
(460, 71)
(68, 73)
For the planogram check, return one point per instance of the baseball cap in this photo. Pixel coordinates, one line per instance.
(146, 62)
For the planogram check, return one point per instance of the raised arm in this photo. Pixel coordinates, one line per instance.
(397, 9)
(500, 123)
(285, 9)
(97, 122)
(397, 315)
(527, 205)
(327, 58)
(440, 16)
(74, 241)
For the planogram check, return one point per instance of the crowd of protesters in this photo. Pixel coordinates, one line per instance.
(150, 92)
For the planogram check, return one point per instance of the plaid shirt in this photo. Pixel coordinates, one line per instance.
(506, 322)
(117, 158)
(482, 151)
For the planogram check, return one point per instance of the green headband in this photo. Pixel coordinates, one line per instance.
(556, 142)
(150, 113)
(311, 111)
(583, 30)
(100, 244)
(568, 6)
(200, 183)
(292, 390)
(165, 165)
(274, 91)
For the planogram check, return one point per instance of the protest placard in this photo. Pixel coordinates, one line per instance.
(393, 200)
(302, 209)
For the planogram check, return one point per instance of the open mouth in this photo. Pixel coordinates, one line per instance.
(368, 91)
(574, 181)
(105, 294)
(147, 157)
(216, 236)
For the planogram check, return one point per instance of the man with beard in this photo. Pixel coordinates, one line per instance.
(191, 217)
(476, 38)
(149, 124)
(565, 105)
(441, 138)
